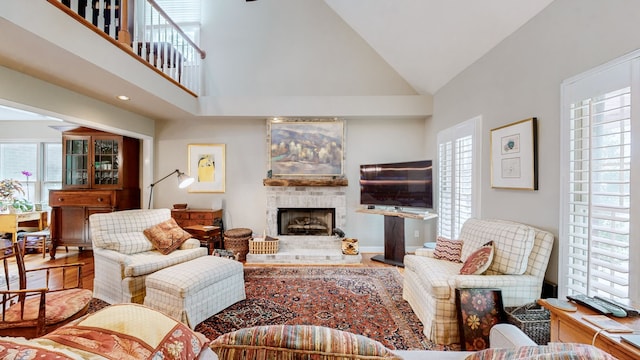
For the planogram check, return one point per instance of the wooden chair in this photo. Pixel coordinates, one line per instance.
(56, 298)
(37, 240)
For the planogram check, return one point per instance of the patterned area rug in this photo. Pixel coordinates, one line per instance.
(366, 301)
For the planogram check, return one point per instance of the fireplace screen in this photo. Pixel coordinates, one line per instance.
(306, 221)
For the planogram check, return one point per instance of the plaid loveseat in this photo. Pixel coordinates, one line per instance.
(518, 268)
(123, 256)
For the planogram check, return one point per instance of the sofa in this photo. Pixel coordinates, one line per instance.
(519, 258)
(133, 331)
(124, 256)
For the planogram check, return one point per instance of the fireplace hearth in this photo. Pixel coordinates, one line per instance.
(301, 245)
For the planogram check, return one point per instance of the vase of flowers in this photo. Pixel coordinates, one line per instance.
(9, 191)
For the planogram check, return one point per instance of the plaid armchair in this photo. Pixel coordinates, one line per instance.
(519, 264)
(123, 256)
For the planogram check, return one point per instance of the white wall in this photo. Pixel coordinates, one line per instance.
(289, 47)
(520, 78)
(244, 202)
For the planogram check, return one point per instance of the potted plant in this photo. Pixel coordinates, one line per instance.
(22, 205)
(9, 188)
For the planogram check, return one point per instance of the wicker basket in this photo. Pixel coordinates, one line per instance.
(237, 241)
(263, 246)
(533, 320)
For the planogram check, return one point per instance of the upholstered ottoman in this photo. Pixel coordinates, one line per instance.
(194, 290)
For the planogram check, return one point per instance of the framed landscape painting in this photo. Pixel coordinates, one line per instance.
(207, 167)
(306, 147)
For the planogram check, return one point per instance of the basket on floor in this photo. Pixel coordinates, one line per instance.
(263, 246)
(237, 241)
(533, 320)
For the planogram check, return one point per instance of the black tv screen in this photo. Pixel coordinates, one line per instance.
(402, 184)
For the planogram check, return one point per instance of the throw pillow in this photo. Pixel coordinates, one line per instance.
(479, 261)
(166, 236)
(552, 351)
(447, 249)
(297, 342)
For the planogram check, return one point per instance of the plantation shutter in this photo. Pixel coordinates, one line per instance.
(445, 189)
(596, 217)
(457, 179)
(181, 11)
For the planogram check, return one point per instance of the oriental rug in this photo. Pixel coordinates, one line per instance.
(362, 300)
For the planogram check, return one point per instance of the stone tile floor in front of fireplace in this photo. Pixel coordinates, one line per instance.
(307, 250)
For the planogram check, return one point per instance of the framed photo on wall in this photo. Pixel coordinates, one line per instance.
(514, 156)
(306, 147)
(207, 167)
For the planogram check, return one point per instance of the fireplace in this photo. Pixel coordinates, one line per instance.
(305, 199)
(306, 221)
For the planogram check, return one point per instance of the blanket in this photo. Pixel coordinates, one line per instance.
(125, 331)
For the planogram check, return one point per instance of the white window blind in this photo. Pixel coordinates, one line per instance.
(182, 11)
(596, 216)
(458, 182)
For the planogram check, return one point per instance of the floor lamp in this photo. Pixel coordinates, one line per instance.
(183, 182)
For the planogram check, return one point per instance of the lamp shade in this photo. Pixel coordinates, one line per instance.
(184, 180)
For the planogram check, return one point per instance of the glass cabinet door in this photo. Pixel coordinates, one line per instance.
(76, 169)
(106, 161)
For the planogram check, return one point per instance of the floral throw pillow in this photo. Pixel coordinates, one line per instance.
(479, 261)
(166, 236)
(447, 249)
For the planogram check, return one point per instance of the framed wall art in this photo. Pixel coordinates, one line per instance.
(514, 156)
(207, 167)
(306, 147)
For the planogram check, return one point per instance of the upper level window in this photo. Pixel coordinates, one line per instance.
(458, 176)
(598, 219)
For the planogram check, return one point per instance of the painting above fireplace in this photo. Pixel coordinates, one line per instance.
(304, 147)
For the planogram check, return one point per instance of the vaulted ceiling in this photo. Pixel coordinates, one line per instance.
(427, 42)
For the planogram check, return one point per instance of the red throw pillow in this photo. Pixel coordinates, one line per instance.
(447, 249)
(166, 236)
(479, 261)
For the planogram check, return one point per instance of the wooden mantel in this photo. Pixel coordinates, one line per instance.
(305, 182)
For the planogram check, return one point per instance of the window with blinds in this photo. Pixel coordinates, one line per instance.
(458, 179)
(597, 216)
(599, 195)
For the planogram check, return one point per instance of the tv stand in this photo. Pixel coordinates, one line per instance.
(394, 249)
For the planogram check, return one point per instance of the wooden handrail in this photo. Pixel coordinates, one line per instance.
(125, 47)
(124, 37)
(155, 5)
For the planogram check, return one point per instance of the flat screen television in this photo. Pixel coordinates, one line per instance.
(401, 184)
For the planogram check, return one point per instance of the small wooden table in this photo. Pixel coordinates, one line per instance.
(9, 223)
(209, 236)
(569, 326)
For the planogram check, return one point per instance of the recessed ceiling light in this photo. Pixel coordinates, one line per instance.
(123, 97)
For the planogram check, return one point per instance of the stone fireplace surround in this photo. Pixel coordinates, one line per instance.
(306, 249)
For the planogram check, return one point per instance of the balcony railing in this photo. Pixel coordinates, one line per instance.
(146, 32)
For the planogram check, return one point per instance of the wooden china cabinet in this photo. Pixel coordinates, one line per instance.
(100, 173)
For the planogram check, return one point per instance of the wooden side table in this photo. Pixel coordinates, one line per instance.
(570, 327)
(208, 235)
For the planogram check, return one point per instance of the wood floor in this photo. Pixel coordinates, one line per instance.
(86, 257)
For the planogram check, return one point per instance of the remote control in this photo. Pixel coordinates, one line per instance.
(600, 306)
(631, 311)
